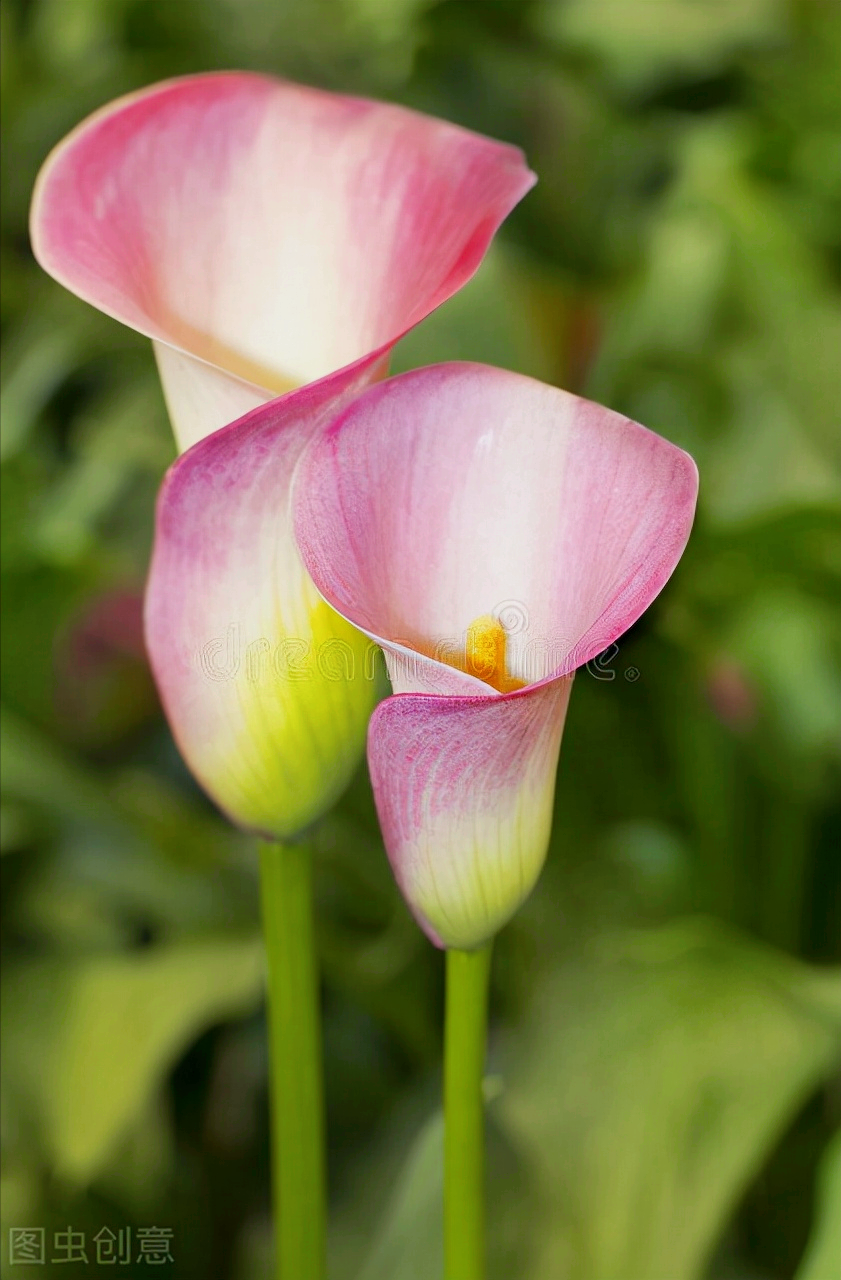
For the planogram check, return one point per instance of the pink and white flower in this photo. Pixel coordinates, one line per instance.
(264, 234)
(492, 534)
(266, 237)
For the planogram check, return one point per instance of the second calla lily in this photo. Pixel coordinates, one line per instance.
(266, 237)
(492, 534)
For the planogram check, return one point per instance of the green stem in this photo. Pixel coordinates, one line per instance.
(295, 1063)
(465, 1036)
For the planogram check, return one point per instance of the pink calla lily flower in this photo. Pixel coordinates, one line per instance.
(492, 534)
(264, 234)
(266, 237)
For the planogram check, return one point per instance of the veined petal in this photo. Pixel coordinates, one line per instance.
(267, 690)
(463, 516)
(460, 491)
(271, 231)
(200, 397)
(464, 789)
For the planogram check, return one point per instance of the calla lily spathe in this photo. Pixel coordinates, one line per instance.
(264, 234)
(492, 534)
(266, 237)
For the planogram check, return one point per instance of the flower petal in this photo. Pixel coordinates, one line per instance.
(272, 231)
(458, 491)
(267, 690)
(201, 398)
(464, 790)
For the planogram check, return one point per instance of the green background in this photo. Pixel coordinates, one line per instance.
(666, 1018)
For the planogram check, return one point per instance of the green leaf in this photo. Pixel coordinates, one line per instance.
(822, 1260)
(497, 318)
(389, 1223)
(649, 1083)
(641, 42)
(408, 1242)
(787, 641)
(37, 772)
(727, 341)
(119, 441)
(87, 1043)
(35, 372)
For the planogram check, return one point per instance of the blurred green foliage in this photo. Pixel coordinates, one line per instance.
(666, 1036)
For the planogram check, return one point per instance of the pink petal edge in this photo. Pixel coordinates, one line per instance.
(464, 788)
(227, 593)
(459, 490)
(268, 229)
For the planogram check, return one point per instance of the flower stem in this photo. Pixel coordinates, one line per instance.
(295, 1063)
(465, 1036)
